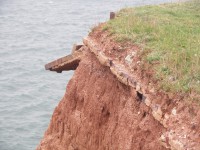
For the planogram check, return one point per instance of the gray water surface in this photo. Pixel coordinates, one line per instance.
(33, 33)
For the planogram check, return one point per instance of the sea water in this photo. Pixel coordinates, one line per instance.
(33, 33)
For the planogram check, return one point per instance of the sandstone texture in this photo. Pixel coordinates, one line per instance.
(99, 112)
(112, 103)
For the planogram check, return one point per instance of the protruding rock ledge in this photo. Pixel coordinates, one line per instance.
(69, 62)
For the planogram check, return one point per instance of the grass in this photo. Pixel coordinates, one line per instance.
(170, 35)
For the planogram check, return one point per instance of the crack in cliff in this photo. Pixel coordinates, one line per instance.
(125, 77)
(144, 98)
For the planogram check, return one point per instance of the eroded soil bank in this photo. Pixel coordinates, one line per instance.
(100, 112)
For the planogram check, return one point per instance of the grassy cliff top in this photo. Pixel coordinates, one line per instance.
(170, 36)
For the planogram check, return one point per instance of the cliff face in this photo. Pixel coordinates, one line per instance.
(99, 112)
(112, 102)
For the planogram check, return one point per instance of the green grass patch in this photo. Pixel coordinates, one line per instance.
(171, 34)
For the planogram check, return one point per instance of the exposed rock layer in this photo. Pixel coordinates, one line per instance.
(110, 103)
(99, 112)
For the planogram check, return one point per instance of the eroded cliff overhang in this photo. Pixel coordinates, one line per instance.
(173, 138)
(66, 63)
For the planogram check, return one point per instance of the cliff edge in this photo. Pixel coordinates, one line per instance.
(107, 105)
(135, 85)
(99, 112)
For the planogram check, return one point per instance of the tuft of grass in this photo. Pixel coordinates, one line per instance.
(172, 33)
(152, 57)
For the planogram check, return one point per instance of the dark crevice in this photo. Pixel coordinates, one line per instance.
(144, 114)
(139, 96)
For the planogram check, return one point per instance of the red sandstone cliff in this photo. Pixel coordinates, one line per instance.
(99, 111)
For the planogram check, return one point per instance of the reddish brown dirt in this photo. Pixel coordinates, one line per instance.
(98, 113)
(185, 124)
